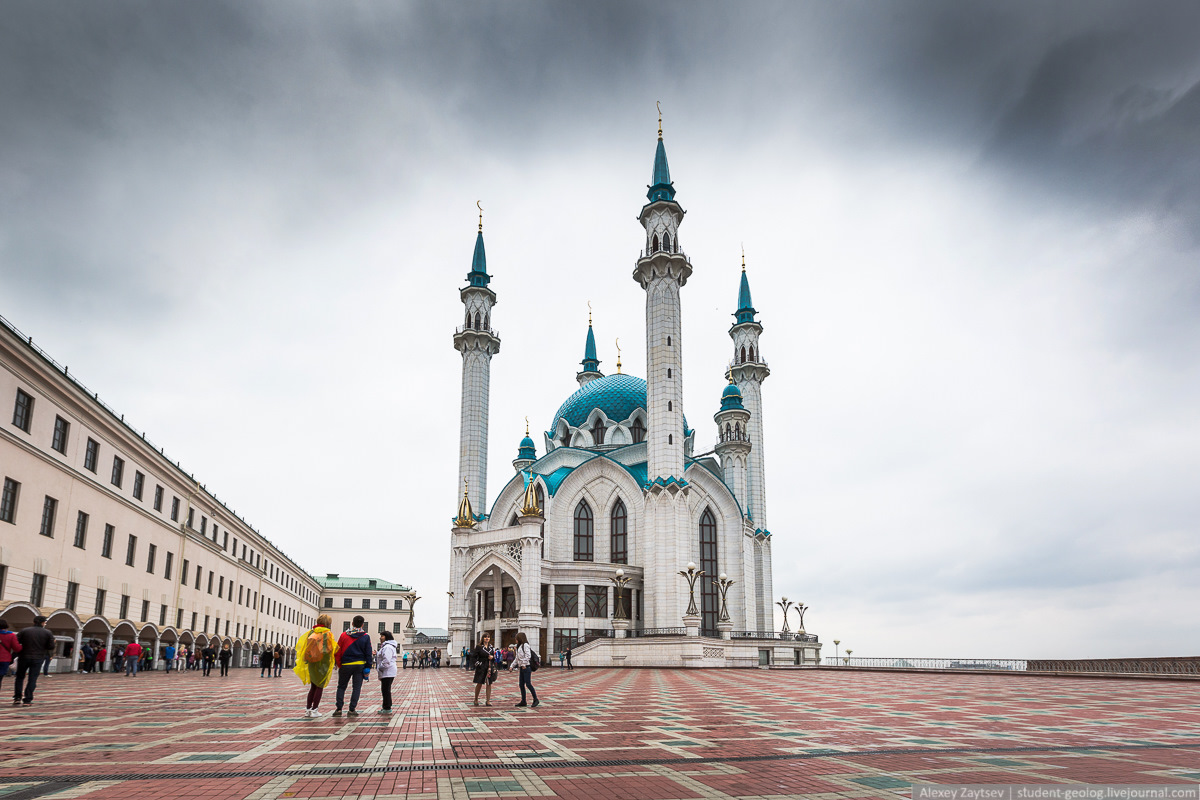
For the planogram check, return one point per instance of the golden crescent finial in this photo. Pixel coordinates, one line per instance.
(743, 257)
(589, 302)
(658, 105)
(480, 207)
(464, 487)
(527, 426)
(618, 343)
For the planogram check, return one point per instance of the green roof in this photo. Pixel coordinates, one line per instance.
(335, 581)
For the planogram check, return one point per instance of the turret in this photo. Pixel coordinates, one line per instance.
(749, 371)
(526, 454)
(733, 442)
(591, 364)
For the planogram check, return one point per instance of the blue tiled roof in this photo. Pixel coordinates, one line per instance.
(555, 479)
(618, 396)
(745, 312)
(526, 450)
(590, 362)
(731, 397)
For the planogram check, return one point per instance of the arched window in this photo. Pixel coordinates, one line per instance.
(708, 563)
(654, 244)
(566, 439)
(619, 542)
(638, 430)
(667, 242)
(598, 432)
(584, 532)
(541, 497)
(742, 356)
(669, 405)
(737, 429)
(487, 324)
(727, 431)
(751, 353)
(513, 522)
(670, 438)
(477, 320)
(668, 372)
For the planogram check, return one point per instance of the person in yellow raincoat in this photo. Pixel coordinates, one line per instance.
(314, 661)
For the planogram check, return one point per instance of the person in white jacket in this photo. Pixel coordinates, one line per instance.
(522, 662)
(385, 662)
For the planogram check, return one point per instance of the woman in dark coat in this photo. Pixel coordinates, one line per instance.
(485, 668)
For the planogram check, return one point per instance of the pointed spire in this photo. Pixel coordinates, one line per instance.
(478, 275)
(745, 311)
(529, 504)
(466, 517)
(660, 187)
(618, 343)
(590, 362)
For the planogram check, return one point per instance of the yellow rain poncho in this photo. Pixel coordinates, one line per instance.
(317, 674)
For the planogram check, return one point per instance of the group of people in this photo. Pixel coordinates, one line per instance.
(423, 658)
(32, 648)
(318, 655)
(488, 660)
(267, 660)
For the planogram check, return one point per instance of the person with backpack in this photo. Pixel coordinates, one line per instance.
(485, 667)
(385, 662)
(225, 656)
(9, 647)
(277, 660)
(314, 662)
(527, 662)
(353, 658)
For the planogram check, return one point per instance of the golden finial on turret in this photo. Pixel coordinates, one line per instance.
(589, 313)
(743, 258)
(480, 207)
(529, 505)
(618, 356)
(527, 426)
(466, 517)
(658, 105)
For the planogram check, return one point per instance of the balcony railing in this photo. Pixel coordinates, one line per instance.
(1004, 664)
(464, 328)
(645, 633)
(786, 637)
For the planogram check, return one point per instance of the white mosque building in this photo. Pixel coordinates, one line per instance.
(618, 498)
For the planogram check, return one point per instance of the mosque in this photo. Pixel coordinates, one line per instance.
(583, 548)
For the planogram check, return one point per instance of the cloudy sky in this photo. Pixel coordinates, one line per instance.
(972, 232)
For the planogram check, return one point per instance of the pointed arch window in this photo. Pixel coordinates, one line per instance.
(541, 497)
(711, 567)
(477, 320)
(566, 439)
(512, 523)
(654, 244)
(751, 353)
(667, 242)
(584, 532)
(742, 356)
(598, 432)
(638, 430)
(619, 538)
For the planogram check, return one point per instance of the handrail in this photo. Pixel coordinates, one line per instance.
(790, 636)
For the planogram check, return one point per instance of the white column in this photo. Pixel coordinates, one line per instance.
(612, 610)
(550, 617)
(582, 611)
(108, 647)
(78, 647)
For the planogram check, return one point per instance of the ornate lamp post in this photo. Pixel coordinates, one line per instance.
(410, 630)
(800, 609)
(836, 642)
(786, 605)
(848, 652)
(723, 624)
(691, 619)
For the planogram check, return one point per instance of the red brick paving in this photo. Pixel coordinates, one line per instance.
(677, 734)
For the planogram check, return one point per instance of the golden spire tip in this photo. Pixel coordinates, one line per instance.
(527, 426)
(658, 105)
(618, 343)
(480, 207)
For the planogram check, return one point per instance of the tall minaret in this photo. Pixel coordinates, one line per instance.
(669, 542)
(590, 364)
(662, 271)
(478, 343)
(749, 371)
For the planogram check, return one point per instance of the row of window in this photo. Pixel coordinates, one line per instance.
(637, 430)
(397, 605)
(23, 419)
(566, 602)
(37, 596)
(585, 533)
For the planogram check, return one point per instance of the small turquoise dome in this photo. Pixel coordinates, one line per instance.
(731, 397)
(618, 396)
(526, 451)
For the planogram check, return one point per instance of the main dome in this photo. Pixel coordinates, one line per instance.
(618, 396)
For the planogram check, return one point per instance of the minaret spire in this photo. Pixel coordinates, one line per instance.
(591, 364)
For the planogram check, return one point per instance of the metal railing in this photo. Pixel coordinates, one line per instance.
(644, 633)
(1004, 664)
(1145, 666)
(786, 637)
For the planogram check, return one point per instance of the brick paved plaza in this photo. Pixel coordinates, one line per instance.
(638, 734)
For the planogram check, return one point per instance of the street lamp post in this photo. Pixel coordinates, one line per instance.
(786, 605)
(691, 620)
(848, 652)
(620, 619)
(723, 624)
(800, 609)
(836, 642)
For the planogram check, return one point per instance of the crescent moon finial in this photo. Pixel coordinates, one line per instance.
(658, 105)
(527, 426)
(589, 302)
(743, 257)
(480, 207)
(618, 343)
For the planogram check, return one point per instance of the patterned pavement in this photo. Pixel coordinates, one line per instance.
(639, 734)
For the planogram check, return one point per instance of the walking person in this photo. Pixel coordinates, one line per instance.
(406, 659)
(35, 646)
(133, 656)
(385, 663)
(314, 662)
(9, 647)
(225, 656)
(101, 658)
(569, 657)
(485, 667)
(353, 658)
(169, 657)
(277, 660)
(119, 659)
(264, 663)
(210, 655)
(525, 660)
(89, 657)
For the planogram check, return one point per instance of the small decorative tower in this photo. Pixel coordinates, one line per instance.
(662, 270)
(733, 443)
(591, 364)
(749, 371)
(478, 343)
(526, 454)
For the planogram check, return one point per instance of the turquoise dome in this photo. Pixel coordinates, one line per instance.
(526, 450)
(731, 397)
(618, 396)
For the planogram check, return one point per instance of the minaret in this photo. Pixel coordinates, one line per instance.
(526, 454)
(478, 343)
(591, 364)
(749, 371)
(662, 270)
(733, 442)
